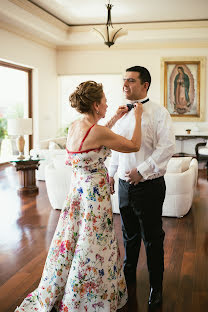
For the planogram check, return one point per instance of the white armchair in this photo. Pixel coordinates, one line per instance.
(57, 178)
(180, 187)
(47, 150)
(180, 178)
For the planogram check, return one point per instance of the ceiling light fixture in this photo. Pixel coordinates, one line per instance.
(109, 33)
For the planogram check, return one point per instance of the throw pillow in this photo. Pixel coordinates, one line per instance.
(53, 146)
(61, 142)
(203, 151)
(61, 146)
(178, 164)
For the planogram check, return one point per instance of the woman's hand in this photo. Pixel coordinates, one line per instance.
(122, 110)
(138, 110)
(112, 182)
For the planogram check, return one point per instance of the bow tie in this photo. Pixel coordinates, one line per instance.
(130, 106)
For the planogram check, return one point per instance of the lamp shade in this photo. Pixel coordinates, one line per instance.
(19, 126)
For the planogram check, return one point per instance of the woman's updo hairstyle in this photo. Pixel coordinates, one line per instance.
(85, 95)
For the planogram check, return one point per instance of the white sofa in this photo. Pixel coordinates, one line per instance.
(181, 178)
(47, 150)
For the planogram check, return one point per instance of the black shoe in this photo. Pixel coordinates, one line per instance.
(155, 298)
(132, 297)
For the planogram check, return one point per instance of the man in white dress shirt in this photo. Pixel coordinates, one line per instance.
(141, 182)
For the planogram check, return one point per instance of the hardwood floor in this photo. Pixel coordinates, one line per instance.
(27, 224)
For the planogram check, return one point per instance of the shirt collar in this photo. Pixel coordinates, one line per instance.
(138, 100)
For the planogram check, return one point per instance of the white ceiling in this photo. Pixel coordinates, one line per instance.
(185, 22)
(88, 12)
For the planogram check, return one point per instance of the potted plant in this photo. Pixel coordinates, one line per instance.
(3, 128)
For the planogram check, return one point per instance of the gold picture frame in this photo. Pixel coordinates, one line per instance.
(183, 87)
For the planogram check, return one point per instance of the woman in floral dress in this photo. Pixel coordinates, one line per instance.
(83, 271)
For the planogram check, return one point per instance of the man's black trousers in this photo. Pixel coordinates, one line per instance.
(141, 217)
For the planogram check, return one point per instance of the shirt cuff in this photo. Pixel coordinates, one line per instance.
(112, 170)
(143, 170)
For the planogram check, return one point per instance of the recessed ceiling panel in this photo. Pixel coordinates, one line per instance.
(88, 12)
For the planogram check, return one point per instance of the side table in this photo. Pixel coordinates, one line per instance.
(26, 169)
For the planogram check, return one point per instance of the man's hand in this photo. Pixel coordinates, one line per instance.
(133, 177)
(112, 182)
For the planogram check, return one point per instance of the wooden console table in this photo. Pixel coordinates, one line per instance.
(26, 169)
(192, 135)
(198, 136)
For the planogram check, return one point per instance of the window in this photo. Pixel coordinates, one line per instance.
(112, 86)
(15, 102)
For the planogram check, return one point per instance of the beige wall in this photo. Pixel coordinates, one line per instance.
(42, 59)
(47, 63)
(116, 61)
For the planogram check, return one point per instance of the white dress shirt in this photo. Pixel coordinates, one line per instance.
(157, 144)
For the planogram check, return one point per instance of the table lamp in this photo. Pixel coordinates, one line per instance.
(20, 127)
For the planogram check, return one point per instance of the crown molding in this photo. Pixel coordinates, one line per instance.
(47, 17)
(147, 25)
(29, 23)
(137, 45)
(168, 25)
(25, 19)
(26, 35)
(35, 10)
(143, 35)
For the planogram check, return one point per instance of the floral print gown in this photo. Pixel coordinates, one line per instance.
(83, 271)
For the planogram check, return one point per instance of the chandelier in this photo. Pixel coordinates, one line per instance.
(109, 33)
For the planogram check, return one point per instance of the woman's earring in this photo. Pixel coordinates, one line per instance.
(97, 112)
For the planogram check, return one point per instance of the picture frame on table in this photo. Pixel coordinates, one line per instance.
(183, 87)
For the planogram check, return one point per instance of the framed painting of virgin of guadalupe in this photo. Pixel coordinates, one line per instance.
(183, 87)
